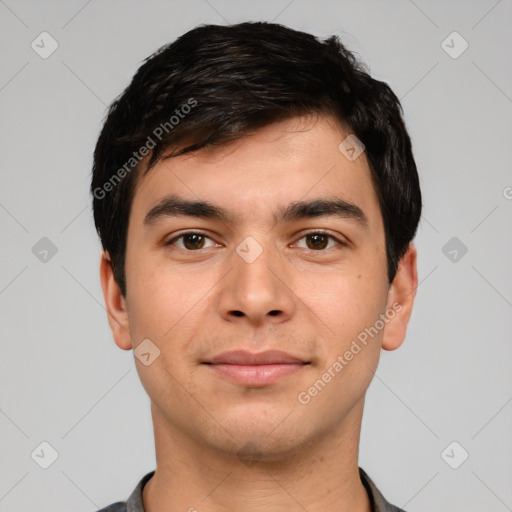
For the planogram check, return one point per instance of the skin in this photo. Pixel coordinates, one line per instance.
(225, 446)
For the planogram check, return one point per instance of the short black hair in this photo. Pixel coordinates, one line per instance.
(216, 84)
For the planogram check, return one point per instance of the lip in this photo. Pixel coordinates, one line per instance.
(246, 358)
(255, 369)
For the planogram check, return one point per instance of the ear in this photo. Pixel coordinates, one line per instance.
(115, 304)
(400, 300)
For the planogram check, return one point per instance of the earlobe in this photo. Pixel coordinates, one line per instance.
(401, 299)
(115, 304)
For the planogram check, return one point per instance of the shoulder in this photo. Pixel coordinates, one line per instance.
(120, 506)
(379, 503)
(134, 502)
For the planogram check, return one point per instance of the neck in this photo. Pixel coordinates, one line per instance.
(197, 478)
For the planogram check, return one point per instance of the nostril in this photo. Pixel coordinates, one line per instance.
(274, 312)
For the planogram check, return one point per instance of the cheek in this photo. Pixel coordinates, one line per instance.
(158, 296)
(172, 307)
(346, 308)
(346, 302)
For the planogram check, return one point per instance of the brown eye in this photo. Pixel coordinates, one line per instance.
(192, 241)
(317, 241)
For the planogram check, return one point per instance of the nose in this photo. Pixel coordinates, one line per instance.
(257, 290)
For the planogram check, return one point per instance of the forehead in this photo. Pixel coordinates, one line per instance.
(263, 173)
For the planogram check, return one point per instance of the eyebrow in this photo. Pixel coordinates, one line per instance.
(173, 206)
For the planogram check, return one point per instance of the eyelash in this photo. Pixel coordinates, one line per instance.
(317, 232)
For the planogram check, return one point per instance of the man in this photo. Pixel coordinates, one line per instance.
(256, 197)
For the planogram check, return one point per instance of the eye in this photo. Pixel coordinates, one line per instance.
(318, 241)
(191, 241)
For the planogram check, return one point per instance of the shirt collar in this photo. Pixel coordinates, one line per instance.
(378, 502)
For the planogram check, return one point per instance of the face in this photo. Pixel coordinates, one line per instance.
(259, 273)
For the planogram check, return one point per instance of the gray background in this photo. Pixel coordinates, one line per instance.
(65, 382)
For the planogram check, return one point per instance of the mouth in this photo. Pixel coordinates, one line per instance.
(255, 369)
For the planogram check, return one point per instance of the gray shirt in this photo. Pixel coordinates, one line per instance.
(134, 503)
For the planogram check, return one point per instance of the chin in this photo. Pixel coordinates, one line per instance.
(254, 438)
